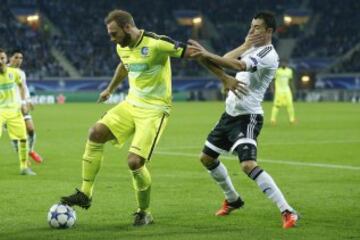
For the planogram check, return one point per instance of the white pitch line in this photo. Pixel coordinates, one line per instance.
(271, 144)
(320, 165)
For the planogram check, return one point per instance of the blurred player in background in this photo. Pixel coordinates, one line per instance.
(283, 94)
(16, 60)
(240, 124)
(11, 112)
(145, 61)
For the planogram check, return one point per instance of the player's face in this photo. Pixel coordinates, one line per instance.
(3, 61)
(258, 27)
(16, 59)
(118, 35)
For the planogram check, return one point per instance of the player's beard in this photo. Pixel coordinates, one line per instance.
(126, 40)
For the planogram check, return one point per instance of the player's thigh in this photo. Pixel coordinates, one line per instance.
(149, 125)
(217, 141)
(280, 100)
(16, 126)
(244, 135)
(289, 98)
(120, 122)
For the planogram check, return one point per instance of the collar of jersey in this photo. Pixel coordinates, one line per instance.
(140, 39)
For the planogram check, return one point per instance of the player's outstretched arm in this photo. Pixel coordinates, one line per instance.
(119, 76)
(198, 51)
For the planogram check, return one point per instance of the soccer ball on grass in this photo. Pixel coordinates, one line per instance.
(61, 216)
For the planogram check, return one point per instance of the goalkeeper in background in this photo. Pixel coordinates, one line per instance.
(283, 94)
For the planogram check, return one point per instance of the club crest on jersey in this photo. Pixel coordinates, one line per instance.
(144, 51)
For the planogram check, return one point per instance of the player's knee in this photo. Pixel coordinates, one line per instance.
(209, 158)
(135, 161)
(248, 166)
(98, 134)
(207, 161)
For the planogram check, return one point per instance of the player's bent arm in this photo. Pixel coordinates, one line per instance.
(119, 76)
(237, 52)
(229, 63)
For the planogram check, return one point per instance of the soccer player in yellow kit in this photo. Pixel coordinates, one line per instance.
(16, 60)
(11, 112)
(283, 93)
(145, 60)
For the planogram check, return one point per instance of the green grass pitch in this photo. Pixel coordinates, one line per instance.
(316, 164)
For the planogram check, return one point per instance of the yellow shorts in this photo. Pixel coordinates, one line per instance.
(283, 99)
(147, 125)
(15, 123)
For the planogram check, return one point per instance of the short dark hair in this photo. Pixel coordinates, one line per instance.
(2, 50)
(16, 50)
(121, 17)
(268, 18)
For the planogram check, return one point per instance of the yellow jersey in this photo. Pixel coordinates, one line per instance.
(8, 88)
(149, 70)
(283, 77)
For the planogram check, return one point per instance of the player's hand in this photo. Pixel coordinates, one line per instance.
(254, 39)
(239, 88)
(104, 95)
(197, 50)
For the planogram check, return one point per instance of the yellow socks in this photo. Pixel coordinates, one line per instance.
(92, 160)
(23, 153)
(291, 112)
(142, 185)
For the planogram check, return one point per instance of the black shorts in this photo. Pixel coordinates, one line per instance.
(231, 132)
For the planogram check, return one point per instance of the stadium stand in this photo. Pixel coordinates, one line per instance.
(83, 41)
(35, 45)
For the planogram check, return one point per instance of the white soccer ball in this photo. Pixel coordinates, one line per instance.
(61, 216)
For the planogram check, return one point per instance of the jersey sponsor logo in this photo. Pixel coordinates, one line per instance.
(144, 51)
(137, 67)
(7, 86)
